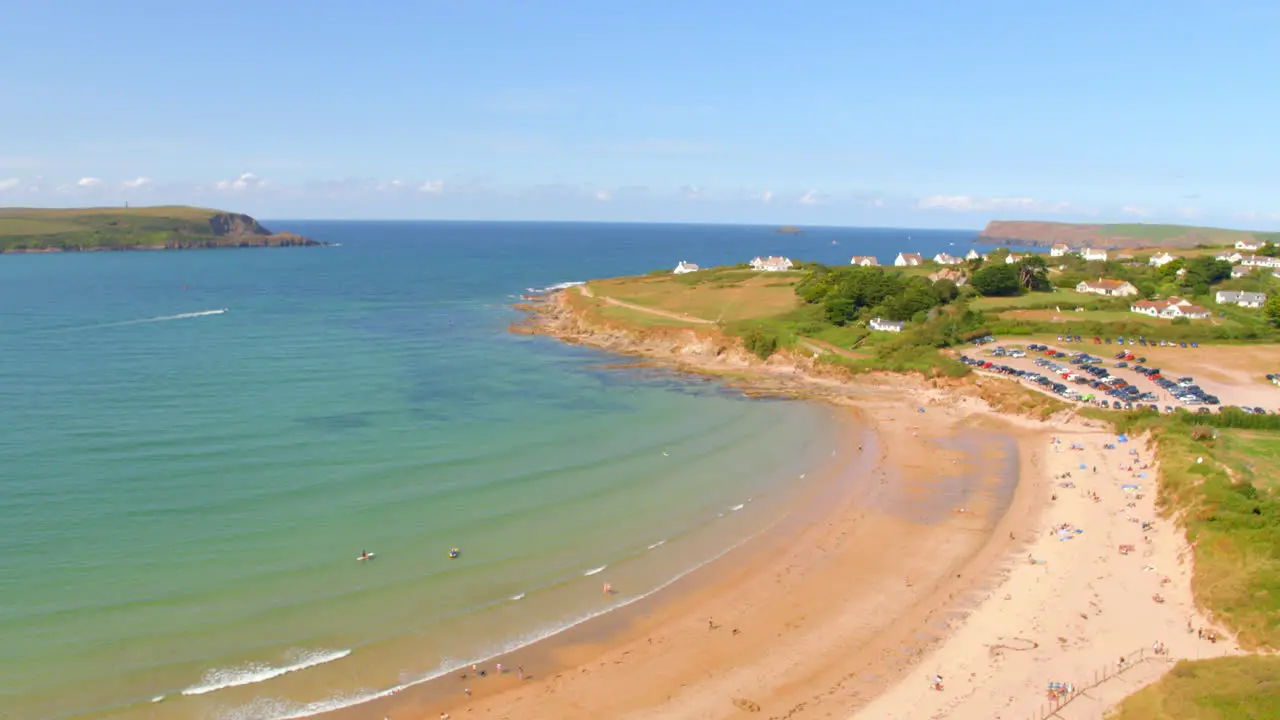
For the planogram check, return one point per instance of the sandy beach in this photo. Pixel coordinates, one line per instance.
(810, 621)
(860, 609)
(1073, 604)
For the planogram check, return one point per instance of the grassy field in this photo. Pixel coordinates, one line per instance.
(637, 317)
(1164, 233)
(122, 228)
(1255, 455)
(724, 294)
(1229, 688)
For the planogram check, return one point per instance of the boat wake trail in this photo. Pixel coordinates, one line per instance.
(216, 680)
(594, 571)
(162, 318)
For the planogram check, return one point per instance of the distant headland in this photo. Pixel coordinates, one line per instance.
(172, 227)
(1113, 235)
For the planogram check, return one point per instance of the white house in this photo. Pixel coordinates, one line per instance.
(1190, 312)
(972, 255)
(1249, 245)
(771, 264)
(685, 267)
(1170, 309)
(1059, 250)
(864, 260)
(1110, 288)
(1260, 261)
(1243, 299)
(1240, 271)
(1012, 258)
(886, 325)
(1094, 254)
(908, 260)
(945, 259)
(1161, 259)
(1231, 257)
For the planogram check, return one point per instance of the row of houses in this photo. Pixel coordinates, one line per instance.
(1091, 254)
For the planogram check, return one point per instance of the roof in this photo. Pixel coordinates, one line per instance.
(1107, 284)
(1063, 246)
(1154, 304)
(909, 256)
(860, 258)
(1193, 310)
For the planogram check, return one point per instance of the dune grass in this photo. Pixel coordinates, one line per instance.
(1229, 688)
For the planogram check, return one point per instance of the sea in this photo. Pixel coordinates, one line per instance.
(198, 446)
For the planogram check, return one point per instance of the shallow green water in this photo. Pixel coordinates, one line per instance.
(185, 492)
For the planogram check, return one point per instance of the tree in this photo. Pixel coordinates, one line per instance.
(1033, 273)
(1271, 310)
(946, 290)
(997, 280)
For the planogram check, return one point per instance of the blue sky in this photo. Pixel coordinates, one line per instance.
(924, 114)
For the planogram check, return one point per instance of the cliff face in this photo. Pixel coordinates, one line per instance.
(1043, 234)
(224, 224)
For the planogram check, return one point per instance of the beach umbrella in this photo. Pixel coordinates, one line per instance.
(1124, 439)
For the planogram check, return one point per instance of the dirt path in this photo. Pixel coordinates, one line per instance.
(586, 291)
(821, 346)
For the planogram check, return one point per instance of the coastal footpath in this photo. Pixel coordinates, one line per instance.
(40, 230)
(1079, 591)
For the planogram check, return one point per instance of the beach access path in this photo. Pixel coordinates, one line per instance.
(1072, 603)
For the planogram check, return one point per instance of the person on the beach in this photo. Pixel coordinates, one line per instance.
(499, 666)
(520, 670)
(608, 589)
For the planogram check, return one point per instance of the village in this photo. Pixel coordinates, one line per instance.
(1250, 269)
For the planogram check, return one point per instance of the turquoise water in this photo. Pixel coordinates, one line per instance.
(198, 445)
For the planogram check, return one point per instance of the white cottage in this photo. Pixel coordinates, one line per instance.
(864, 261)
(771, 264)
(945, 259)
(1249, 245)
(972, 255)
(1059, 250)
(886, 325)
(1110, 288)
(1161, 259)
(1094, 254)
(685, 267)
(1243, 299)
(908, 260)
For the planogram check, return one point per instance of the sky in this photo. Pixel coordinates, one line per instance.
(813, 112)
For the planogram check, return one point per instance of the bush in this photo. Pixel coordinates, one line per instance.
(760, 343)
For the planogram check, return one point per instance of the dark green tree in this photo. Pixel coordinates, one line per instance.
(997, 280)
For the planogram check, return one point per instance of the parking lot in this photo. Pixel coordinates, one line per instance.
(1074, 381)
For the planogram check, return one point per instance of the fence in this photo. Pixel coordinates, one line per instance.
(1101, 675)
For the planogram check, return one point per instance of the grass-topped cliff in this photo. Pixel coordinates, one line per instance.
(142, 228)
(1115, 235)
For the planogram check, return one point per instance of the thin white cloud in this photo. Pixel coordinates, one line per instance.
(970, 203)
(136, 183)
(604, 195)
(692, 192)
(245, 181)
(878, 202)
(432, 187)
(813, 197)
(385, 185)
(9, 184)
(765, 197)
(88, 182)
(1135, 211)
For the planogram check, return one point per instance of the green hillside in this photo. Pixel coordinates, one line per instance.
(143, 228)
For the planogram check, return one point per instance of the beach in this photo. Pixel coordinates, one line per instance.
(1075, 585)
(811, 619)
(1100, 599)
